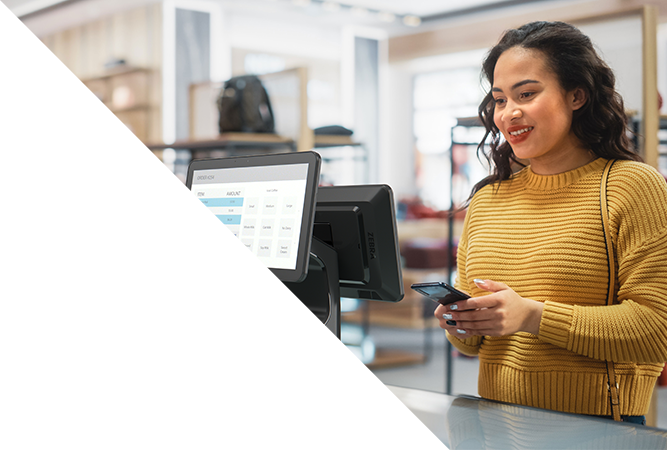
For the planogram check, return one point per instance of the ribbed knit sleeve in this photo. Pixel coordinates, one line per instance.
(634, 329)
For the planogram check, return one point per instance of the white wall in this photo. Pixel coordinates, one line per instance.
(397, 142)
(662, 65)
(248, 31)
(396, 154)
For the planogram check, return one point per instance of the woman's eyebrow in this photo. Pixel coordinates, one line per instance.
(517, 85)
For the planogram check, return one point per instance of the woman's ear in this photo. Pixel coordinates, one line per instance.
(579, 97)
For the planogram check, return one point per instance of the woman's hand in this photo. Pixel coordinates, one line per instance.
(500, 313)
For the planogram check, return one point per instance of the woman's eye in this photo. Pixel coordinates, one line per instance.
(526, 94)
(499, 101)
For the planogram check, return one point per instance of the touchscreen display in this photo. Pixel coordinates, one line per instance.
(262, 206)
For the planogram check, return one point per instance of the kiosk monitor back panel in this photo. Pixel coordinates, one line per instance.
(267, 201)
(359, 222)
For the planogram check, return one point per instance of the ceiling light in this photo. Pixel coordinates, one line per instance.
(412, 21)
(331, 6)
(386, 16)
(303, 3)
(359, 11)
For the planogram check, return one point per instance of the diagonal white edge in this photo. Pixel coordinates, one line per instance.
(426, 410)
(218, 257)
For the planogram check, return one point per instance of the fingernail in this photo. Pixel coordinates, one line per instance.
(453, 307)
(478, 281)
(459, 331)
(447, 316)
(451, 323)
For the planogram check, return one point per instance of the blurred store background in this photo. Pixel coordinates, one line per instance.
(385, 90)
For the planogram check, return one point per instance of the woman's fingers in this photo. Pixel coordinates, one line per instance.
(472, 304)
(444, 317)
(499, 313)
(472, 321)
(477, 315)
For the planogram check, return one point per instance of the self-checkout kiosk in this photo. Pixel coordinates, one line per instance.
(323, 243)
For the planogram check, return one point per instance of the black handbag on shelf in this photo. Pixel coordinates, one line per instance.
(244, 106)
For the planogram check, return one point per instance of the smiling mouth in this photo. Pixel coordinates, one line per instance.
(521, 131)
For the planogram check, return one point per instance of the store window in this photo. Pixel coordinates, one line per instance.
(440, 99)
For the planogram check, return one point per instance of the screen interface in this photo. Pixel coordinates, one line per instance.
(261, 205)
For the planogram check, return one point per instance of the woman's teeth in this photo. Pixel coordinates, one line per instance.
(518, 132)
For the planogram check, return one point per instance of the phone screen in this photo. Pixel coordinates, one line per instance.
(440, 292)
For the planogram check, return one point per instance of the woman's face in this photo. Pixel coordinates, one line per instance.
(533, 111)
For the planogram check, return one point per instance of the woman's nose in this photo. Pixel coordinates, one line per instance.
(515, 113)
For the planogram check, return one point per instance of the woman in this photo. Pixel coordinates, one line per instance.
(533, 254)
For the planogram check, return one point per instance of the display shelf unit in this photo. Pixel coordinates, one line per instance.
(226, 144)
(287, 90)
(404, 314)
(461, 136)
(130, 93)
(413, 312)
(231, 142)
(344, 160)
(330, 140)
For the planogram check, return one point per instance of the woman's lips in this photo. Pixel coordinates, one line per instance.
(518, 133)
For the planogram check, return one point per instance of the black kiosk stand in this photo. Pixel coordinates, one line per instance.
(354, 251)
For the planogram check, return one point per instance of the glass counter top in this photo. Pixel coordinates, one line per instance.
(474, 423)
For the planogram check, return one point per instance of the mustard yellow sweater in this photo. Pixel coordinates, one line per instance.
(542, 236)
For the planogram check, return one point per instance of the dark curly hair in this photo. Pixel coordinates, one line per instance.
(601, 124)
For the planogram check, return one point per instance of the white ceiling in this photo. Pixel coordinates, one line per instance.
(418, 8)
(45, 17)
(348, 12)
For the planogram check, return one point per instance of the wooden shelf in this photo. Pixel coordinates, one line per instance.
(131, 94)
(431, 228)
(409, 315)
(229, 140)
(327, 140)
(119, 70)
(386, 358)
(130, 109)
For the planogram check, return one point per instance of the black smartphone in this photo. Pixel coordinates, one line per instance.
(440, 292)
